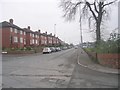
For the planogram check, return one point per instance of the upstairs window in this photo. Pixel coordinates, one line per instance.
(21, 32)
(11, 29)
(33, 35)
(24, 33)
(36, 36)
(15, 30)
(30, 34)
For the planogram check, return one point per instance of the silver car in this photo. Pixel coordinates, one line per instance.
(46, 50)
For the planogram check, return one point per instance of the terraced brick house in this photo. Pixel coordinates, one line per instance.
(53, 40)
(30, 41)
(43, 37)
(15, 37)
(36, 39)
(49, 39)
(12, 35)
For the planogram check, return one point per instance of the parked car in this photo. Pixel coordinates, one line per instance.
(58, 49)
(64, 48)
(46, 50)
(53, 49)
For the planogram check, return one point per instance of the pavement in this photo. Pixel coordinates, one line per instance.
(85, 61)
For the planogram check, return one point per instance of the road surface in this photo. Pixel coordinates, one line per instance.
(55, 70)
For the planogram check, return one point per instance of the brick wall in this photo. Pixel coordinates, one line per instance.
(110, 60)
(6, 37)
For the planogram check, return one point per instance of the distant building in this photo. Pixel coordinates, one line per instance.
(88, 44)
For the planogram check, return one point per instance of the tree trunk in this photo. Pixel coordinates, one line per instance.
(98, 34)
(98, 24)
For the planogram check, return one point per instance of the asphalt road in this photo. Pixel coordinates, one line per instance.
(55, 70)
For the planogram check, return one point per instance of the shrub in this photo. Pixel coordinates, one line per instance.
(29, 48)
(109, 46)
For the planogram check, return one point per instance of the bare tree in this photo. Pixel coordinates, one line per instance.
(91, 9)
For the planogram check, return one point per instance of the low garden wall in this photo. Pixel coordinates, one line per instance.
(28, 50)
(21, 52)
(110, 60)
(105, 59)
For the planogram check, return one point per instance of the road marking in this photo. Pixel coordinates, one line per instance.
(80, 63)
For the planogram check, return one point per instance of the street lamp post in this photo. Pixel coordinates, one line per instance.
(55, 29)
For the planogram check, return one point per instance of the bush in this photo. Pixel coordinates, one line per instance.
(29, 48)
(109, 46)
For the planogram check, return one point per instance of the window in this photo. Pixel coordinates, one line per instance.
(21, 32)
(24, 33)
(36, 41)
(11, 29)
(36, 36)
(30, 34)
(15, 39)
(32, 41)
(15, 30)
(45, 42)
(21, 40)
(33, 35)
(24, 41)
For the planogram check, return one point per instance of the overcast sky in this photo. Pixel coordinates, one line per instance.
(43, 14)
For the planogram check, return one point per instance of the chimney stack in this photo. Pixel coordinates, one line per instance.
(29, 27)
(11, 21)
(39, 31)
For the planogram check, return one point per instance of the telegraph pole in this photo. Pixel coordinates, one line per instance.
(81, 38)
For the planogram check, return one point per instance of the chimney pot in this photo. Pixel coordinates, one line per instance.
(11, 21)
(39, 31)
(29, 27)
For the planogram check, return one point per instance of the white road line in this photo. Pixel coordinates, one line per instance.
(80, 63)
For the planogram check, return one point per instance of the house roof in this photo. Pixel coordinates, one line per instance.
(44, 34)
(28, 31)
(7, 24)
(37, 33)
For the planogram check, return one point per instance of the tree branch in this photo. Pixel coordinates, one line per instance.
(109, 3)
(78, 3)
(95, 7)
(87, 3)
